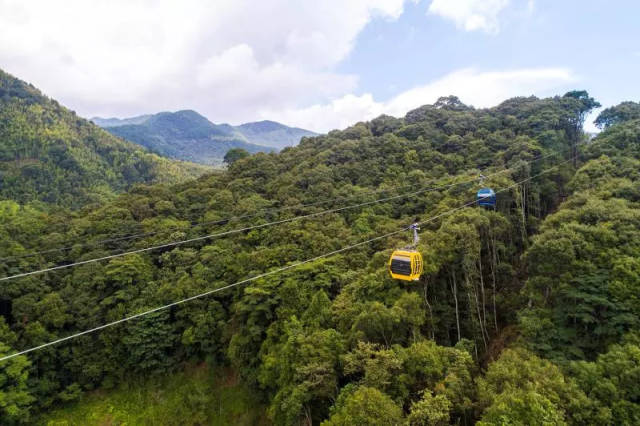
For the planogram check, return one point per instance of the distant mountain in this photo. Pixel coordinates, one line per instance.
(113, 122)
(273, 134)
(184, 135)
(48, 153)
(187, 135)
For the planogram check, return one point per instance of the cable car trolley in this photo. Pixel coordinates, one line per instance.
(486, 197)
(406, 263)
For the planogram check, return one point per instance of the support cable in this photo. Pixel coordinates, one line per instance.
(265, 274)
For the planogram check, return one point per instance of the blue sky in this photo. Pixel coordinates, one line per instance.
(598, 41)
(317, 65)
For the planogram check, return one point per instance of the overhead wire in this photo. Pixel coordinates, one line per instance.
(212, 222)
(211, 236)
(249, 228)
(238, 217)
(268, 273)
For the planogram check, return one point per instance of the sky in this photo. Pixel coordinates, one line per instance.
(318, 65)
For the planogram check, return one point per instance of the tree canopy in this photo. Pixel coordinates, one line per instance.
(526, 314)
(49, 154)
(624, 111)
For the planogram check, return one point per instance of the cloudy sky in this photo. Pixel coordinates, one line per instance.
(316, 64)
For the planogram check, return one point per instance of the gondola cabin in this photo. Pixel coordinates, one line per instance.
(486, 197)
(406, 265)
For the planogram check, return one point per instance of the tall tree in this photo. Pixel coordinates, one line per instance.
(582, 104)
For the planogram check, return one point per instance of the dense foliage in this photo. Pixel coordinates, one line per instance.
(626, 111)
(48, 153)
(525, 315)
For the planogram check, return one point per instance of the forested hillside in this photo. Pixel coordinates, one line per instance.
(47, 153)
(525, 315)
(185, 135)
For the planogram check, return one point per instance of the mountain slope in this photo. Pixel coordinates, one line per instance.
(185, 135)
(271, 133)
(331, 338)
(48, 153)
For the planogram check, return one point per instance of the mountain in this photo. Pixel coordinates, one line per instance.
(525, 314)
(271, 133)
(50, 154)
(187, 135)
(184, 135)
(113, 122)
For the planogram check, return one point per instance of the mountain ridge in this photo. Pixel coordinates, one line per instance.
(188, 135)
(115, 122)
(272, 133)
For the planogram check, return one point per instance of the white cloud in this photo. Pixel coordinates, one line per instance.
(225, 58)
(337, 114)
(483, 89)
(473, 87)
(471, 15)
(232, 60)
(531, 5)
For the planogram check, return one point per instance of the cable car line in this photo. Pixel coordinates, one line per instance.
(246, 216)
(222, 234)
(244, 229)
(266, 274)
(213, 222)
(216, 222)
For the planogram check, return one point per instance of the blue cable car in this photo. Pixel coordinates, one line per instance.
(486, 197)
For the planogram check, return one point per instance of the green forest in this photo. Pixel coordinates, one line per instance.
(525, 315)
(49, 154)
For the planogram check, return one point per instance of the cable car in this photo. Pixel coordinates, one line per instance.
(486, 197)
(406, 265)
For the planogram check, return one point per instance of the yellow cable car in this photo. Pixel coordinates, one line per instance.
(406, 265)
